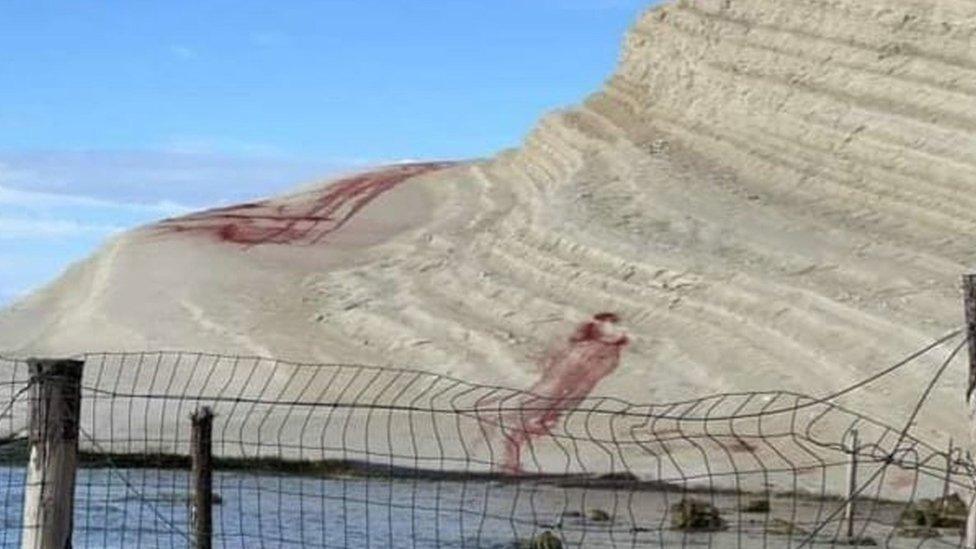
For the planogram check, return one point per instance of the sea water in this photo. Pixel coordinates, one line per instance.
(150, 508)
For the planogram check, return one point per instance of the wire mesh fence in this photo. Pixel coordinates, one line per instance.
(340, 455)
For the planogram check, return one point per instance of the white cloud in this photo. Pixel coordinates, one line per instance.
(591, 5)
(204, 145)
(204, 173)
(56, 207)
(10, 295)
(18, 198)
(12, 228)
(183, 52)
(268, 39)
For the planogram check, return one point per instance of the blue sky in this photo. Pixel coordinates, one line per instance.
(113, 114)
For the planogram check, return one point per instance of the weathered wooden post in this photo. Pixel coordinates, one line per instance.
(969, 301)
(851, 486)
(54, 414)
(201, 456)
(947, 481)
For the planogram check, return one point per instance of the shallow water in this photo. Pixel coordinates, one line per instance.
(148, 508)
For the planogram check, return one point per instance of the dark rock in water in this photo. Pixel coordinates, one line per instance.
(756, 506)
(954, 505)
(949, 512)
(922, 532)
(599, 515)
(545, 540)
(692, 515)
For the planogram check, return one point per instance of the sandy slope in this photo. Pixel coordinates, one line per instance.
(769, 194)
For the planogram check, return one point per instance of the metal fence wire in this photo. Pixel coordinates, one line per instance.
(342, 455)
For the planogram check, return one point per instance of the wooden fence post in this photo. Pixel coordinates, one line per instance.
(201, 455)
(947, 482)
(54, 415)
(969, 301)
(851, 486)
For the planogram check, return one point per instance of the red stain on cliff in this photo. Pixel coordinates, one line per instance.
(302, 220)
(569, 374)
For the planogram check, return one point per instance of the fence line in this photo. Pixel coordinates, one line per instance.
(342, 455)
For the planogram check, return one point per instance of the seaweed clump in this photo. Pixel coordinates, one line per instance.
(693, 515)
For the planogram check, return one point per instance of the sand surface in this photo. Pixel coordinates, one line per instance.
(768, 195)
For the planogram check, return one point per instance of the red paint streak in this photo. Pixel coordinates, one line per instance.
(739, 445)
(299, 221)
(569, 374)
